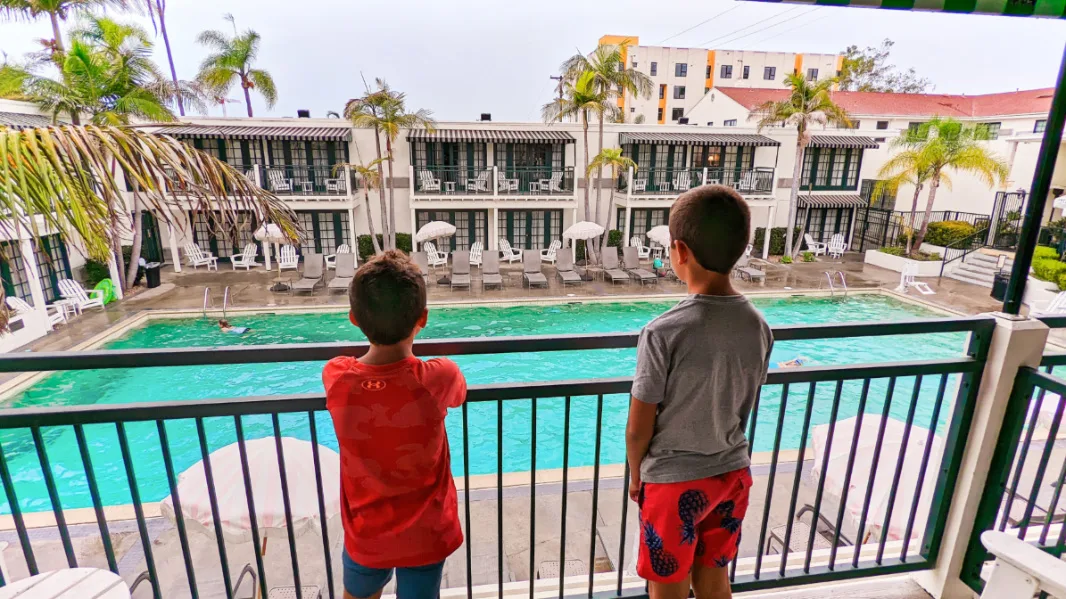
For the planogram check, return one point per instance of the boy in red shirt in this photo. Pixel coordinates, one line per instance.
(398, 500)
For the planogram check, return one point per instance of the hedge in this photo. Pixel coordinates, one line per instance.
(777, 239)
(947, 232)
(366, 245)
(1042, 252)
(614, 239)
(902, 251)
(1049, 270)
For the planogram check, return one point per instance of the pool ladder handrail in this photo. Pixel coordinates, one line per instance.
(843, 282)
(225, 301)
(207, 295)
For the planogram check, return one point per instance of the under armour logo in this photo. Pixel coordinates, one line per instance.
(373, 385)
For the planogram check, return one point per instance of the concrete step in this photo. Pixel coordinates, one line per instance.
(965, 279)
(986, 260)
(968, 270)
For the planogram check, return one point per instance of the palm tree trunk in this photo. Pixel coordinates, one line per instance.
(599, 188)
(170, 55)
(793, 199)
(247, 96)
(381, 191)
(934, 182)
(392, 197)
(606, 231)
(135, 251)
(370, 223)
(910, 225)
(56, 34)
(585, 129)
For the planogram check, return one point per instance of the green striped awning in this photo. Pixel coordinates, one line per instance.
(842, 141)
(1048, 9)
(492, 136)
(832, 201)
(696, 139)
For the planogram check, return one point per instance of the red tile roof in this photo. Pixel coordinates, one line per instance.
(876, 103)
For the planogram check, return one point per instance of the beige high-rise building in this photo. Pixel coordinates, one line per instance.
(681, 76)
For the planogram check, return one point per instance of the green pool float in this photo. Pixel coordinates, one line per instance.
(108, 289)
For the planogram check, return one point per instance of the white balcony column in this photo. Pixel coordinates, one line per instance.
(769, 228)
(629, 189)
(495, 182)
(414, 229)
(257, 175)
(266, 254)
(1015, 343)
(704, 182)
(353, 234)
(411, 178)
(175, 255)
(625, 227)
(494, 228)
(33, 274)
(348, 187)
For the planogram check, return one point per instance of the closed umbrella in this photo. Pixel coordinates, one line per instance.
(434, 230)
(272, 234)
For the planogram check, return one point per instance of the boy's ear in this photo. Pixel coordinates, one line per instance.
(422, 320)
(351, 317)
(683, 253)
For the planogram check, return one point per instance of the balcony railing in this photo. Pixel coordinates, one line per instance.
(453, 180)
(289, 180)
(667, 181)
(535, 180)
(889, 532)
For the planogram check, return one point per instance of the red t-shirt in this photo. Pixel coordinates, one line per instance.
(398, 499)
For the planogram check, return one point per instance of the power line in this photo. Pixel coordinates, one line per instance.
(736, 31)
(780, 33)
(751, 33)
(701, 23)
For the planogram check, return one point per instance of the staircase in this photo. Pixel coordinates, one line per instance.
(978, 268)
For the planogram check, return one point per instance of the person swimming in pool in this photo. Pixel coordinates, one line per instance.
(225, 327)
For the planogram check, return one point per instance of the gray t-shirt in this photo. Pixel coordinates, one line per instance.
(702, 362)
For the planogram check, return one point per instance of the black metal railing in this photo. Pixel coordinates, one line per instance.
(287, 180)
(670, 180)
(964, 247)
(904, 536)
(887, 228)
(464, 180)
(535, 180)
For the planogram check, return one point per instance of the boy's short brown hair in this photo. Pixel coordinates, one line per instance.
(387, 296)
(715, 223)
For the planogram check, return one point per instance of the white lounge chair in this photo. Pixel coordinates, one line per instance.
(682, 181)
(245, 259)
(345, 267)
(549, 254)
(1020, 569)
(72, 290)
(289, 259)
(632, 266)
(817, 247)
(837, 246)
(640, 185)
(475, 254)
(460, 269)
(643, 252)
(435, 258)
(565, 268)
(490, 271)
(19, 305)
(197, 257)
(331, 259)
(907, 281)
(312, 275)
(278, 181)
(508, 253)
(1056, 307)
(428, 181)
(610, 266)
(422, 262)
(480, 183)
(531, 273)
(744, 270)
(553, 184)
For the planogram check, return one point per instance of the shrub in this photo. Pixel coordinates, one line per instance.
(947, 232)
(808, 256)
(614, 238)
(919, 256)
(95, 272)
(777, 239)
(786, 259)
(366, 245)
(1062, 282)
(1042, 252)
(1048, 270)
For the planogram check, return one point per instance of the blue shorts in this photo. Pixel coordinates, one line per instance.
(420, 582)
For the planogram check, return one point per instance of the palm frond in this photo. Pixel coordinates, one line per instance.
(264, 84)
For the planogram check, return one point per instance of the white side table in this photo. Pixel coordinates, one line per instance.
(449, 187)
(75, 583)
(68, 306)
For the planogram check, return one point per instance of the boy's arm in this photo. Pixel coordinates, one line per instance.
(444, 379)
(639, 429)
(649, 390)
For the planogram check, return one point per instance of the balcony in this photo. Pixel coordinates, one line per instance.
(803, 526)
(290, 180)
(665, 181)
(494, 182)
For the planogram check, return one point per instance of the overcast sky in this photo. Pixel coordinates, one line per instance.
(465, 57)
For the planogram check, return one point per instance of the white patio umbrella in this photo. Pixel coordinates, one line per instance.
(272, 234)
(434, 230)
(881, 474)
(660, 234)
(583, 231)
(228, 477)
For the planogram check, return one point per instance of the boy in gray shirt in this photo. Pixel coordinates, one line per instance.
(699, 367)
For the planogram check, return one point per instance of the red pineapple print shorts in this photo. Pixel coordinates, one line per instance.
(695, 520)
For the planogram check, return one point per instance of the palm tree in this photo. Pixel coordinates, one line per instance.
(909, 166)
(157, 12)
(613, 159)
(57, 10)
(808, 104)
(946, 144)
(370, 173)
(612, 78)
(231, 62)
(580, 98)
(384, 110)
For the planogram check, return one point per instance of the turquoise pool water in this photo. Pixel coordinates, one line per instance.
(191, 383)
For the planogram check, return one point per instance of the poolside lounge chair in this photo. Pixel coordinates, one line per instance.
(907, 280)
(73, 290)
(345, 272)
(197, 257)
(331, 259)
(245, 259)
(490, 271)
(428, 181)
(565, 267)
(632, 266)
(313, 269)
(475, 253)
(531, 273)
(553, 184)
(744, 270)
(643, 252)
(837, 246)
(460, 269)
(610, 266)
(549, 254)
(422, 262)
(434, 257)
(278, 180)
(19, 305)
(289, 259)
(816, 247)
(508, 253)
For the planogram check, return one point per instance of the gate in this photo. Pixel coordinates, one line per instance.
(1006, 219)
(876, 228)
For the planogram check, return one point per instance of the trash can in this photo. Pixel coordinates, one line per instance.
(151, 272)
(999, 285)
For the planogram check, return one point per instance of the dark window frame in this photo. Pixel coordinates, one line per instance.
(679, 92)
(812, 74)
(680, 69)
(654, 69)
(726, 71)
(677, 113)
(769, 73)
(746, 72)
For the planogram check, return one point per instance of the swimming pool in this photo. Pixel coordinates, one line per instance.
(191, 383)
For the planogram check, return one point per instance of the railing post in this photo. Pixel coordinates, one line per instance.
(1014, 343)
(704, 182)
(629, 186)
(495, 182)
(411, 178)
(257, 175)
(349, 187)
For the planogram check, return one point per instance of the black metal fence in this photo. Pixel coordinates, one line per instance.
(878, 228)
(453, 179)
(535, 180)
(671, 180)
(287, 180)
(894, 527)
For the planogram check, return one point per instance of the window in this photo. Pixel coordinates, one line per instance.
(530, 229)
(882, 124)
(708, 76)
(830, 168)
(660, 117)
(323, 231)
(634, 63)
(679, 92)
(680, 70)
(1040, 126)
(990, 130)
(654, 69)
(470, 226)
(730, 122)
(632, 109)
(747, 72)
(854, 125)
(769, 73)
(727, 71)
(913, 129)
(812, 74)
(677, 113)
(662, 92)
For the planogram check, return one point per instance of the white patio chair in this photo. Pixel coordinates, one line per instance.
(818, 248)
(19, 305)
(197, 257)
(245, 259)
(640, 185)
(435, 258)
(475, 253)
(289, 259)
(548, 255)
(335, 186)
(506, 185)
(1020, 569)
(331, 259)
(278, 181)
(480, 183)
(508, 253)
(554, 184)
(428, 181)
(682, 180)
(642, 252)
(747, 182)
(72, 290)
(837, 246)
(907, 280)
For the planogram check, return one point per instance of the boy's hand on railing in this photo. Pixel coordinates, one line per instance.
(634, 487)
